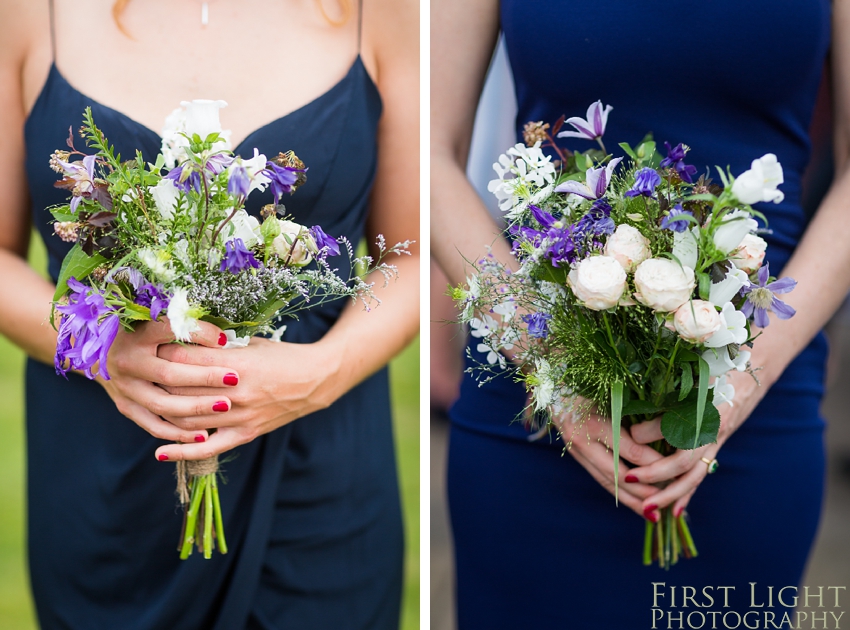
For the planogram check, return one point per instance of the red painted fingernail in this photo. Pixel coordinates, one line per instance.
(678, 512)
(231, 379)
(221, 406)
(649, 513)
(631, 478)
(163, 457)
(222, 339)
(200, 438)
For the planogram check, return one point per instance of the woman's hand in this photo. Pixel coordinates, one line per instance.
(685, 470)
(588, 437)
(135, 370)
(278, 383)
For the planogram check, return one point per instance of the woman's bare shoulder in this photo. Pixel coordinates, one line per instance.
(391, 32)
(23, 24)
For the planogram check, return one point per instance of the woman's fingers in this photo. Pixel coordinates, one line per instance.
(160, 403)
(647, 432)
(159, 332)
(681, 488)
(668, 467)
(602, 460)
(682, 503)
(156, 426)
(219, 442)
(156, 370)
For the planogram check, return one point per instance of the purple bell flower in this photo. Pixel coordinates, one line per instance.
(675, 160)
(591, 128)
(538, 324)
(92, 325)
(545, 219)
(187, 182)
(761, 298)
(671, 222)
(237, 257)
(282, 178)
(324, 241)
(154, 297)
(239, 183)
(646, 181)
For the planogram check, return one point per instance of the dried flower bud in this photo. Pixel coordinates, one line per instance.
(99, 273)
(55, 157)
(535, 132)
(270, 210)
(67, 230)
(290, 160)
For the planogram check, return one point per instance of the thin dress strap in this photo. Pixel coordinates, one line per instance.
(52, 32)
(359, 23)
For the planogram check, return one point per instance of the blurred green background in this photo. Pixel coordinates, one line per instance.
(16, 611)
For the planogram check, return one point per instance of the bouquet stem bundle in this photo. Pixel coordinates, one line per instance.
(197, 483)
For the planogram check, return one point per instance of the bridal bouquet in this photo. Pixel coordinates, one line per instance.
(173, 239)
(637, 291)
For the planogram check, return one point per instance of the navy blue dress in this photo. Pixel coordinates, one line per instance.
(311, 510)
(539, 543)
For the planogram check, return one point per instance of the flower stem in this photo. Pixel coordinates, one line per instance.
(688, 539)
(219, 521)
(647, 543)
(208, 516)
(198, 486)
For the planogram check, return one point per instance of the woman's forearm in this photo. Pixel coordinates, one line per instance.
(25, 307)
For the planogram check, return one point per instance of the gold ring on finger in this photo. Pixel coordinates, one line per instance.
(712, 464)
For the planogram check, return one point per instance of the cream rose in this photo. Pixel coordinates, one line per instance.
(598, 281)
(750, 253)
(696, 321)
(663, 285)
(628, 247)
(294, 243)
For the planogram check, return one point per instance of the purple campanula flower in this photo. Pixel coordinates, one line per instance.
(282, 178)
(323, 240)
(538, 324)
(185, 179)
(92, 325)
(597, 180)
(761, 298)
(237, 257)
(561, 247)
(646, 181)
(154, 297)
(596, 221)
(82, 175)
(545, 219)
(239, 183)
(593, 127)
(670, 222)
(675, 160)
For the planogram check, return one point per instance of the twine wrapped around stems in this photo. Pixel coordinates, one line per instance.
(185, 470)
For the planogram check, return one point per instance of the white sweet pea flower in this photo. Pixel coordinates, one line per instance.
(685, 247)
(198, 116)
(243, 226)
(598, 282)
(750, 253)
(628, 247)
(254, 167)
(732, 230)
(233, 341)
(722, 292)
(696, 321)
(663, 284)
(733, 328)
(760, 182)
(182, 316)
(202, 116)
(719, 361)
(165, 195)
(724, 392)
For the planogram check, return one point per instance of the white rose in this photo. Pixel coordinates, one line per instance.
(165, 195)
(750, 253)
(598, 281)
(294, 243)
(663, 285)
(243, 226)
(732, 230)
(628, 247)
(696, 321)
(760, 182)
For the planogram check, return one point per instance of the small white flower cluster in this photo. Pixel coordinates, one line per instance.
(525, 175)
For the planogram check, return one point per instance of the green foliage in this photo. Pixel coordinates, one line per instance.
(77, 265)
(682, 429)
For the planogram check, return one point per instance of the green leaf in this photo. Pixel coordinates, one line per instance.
(582, 162)
(636, 367)
(681, 429)
(226, 324)
(616, 419)
(137, 313)
(629, 151)
(687, 355)
(701, 398)
(77, 264)
(687, 383)
(704, 285)
(552, 274)
(640, 408)
(63, 214)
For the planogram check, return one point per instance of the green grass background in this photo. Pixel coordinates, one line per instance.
(16, 610)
